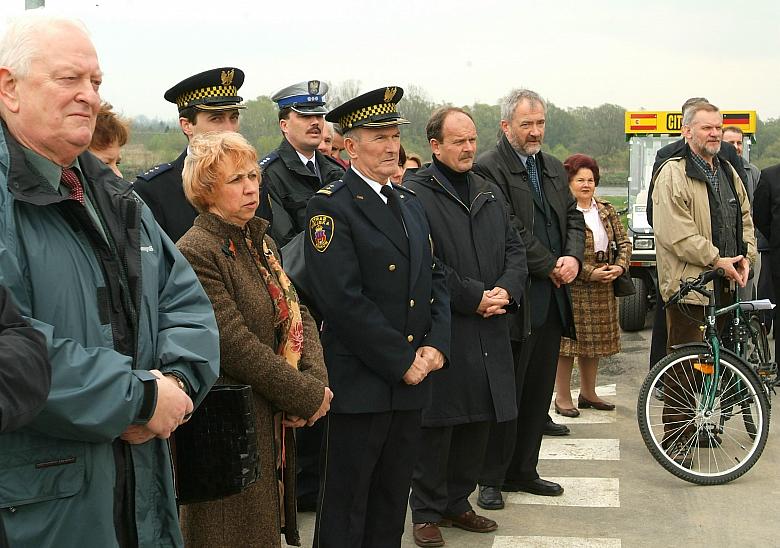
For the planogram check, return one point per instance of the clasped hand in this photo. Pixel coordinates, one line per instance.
(735, 268)
(292, 421)
(173, 405)
(566, 269)
(493, 302)
(606, 273)
(426, 359)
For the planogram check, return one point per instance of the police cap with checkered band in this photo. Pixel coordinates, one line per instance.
(215, 89)
(375, 109)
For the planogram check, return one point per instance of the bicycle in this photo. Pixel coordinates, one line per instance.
(689, 401)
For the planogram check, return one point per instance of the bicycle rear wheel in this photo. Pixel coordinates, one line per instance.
(696, 441)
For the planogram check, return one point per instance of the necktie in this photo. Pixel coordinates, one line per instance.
(392, 201)
(71, 180)
(533, 175)
(310, 165)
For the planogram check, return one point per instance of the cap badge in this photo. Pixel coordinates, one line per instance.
(389, 94)
(227, 76)
(314, 87)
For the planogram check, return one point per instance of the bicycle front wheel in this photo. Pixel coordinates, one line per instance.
(688, 416)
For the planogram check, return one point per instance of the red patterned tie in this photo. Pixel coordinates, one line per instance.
(71, 180)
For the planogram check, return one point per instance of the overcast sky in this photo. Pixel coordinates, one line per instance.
(634, 53)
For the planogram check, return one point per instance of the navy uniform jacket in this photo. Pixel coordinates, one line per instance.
(382, 295)
(161, 189)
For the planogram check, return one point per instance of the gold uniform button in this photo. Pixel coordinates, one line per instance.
(411, 303)
(391, 268)
(410, 338)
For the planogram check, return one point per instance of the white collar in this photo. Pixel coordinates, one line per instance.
(376, 187)
(306, 160)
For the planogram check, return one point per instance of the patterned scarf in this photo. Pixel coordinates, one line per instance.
(287, 312)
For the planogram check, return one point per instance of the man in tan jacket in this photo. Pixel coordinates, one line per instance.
(702, 222)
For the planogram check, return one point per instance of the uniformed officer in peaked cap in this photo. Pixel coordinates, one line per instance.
(207, 101)
(387, 327)
(296, 170)
(291, 175)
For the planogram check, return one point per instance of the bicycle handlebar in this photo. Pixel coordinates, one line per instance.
(697, 284)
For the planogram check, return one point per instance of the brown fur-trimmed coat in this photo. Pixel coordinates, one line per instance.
(245, 317)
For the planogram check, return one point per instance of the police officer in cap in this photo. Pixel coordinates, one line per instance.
(387, 327)
(296, 170)
(207, 101)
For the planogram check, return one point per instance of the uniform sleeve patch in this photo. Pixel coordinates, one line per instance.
(321, 230)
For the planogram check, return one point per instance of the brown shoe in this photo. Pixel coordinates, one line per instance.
(470, 521)
(582, 403)
(570, 412)
(427, 534)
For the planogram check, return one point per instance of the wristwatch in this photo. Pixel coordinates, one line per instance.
(178, 380)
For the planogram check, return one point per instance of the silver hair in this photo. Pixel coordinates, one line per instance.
(330, 127)
(352, 133)
(517, 96)
(20, 43)
(690, 112)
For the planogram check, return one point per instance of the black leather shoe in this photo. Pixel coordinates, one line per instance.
(490, 498)
(554, 429)
(537, 486)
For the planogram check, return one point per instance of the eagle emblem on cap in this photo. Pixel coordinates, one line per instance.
(389, 94)
(314, 87)
(227, 76)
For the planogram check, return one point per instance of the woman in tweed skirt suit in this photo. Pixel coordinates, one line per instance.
(607, 252)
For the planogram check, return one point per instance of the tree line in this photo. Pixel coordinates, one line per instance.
(598, 132)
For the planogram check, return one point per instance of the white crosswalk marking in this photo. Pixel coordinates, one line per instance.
(582, 492)
(579, 449)
(555, 542)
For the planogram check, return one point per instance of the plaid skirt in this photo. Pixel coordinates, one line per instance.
(595, 311)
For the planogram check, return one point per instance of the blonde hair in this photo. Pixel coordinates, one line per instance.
(206, 158)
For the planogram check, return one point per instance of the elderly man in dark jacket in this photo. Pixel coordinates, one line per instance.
(545, 213)
(484, 261)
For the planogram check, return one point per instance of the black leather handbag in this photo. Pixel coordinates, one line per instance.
(623, 285)
(215, 452)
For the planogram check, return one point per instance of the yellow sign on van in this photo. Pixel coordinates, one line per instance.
(646, 122)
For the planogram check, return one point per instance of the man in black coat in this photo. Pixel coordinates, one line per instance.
(25, 372)
(484, 261)
(766, 217)
(296, 170)
(387, 326)
(207, 101)
(543, 210)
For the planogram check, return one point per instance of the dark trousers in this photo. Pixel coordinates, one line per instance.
(681, 382)
(447, 470)
(513, 448)
(366, 470)
(658, 340)
(765, 289)
(308, 444)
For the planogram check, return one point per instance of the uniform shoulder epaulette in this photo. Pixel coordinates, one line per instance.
(331, 188)
(150, 174)
(268, 160)
(405, 189)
